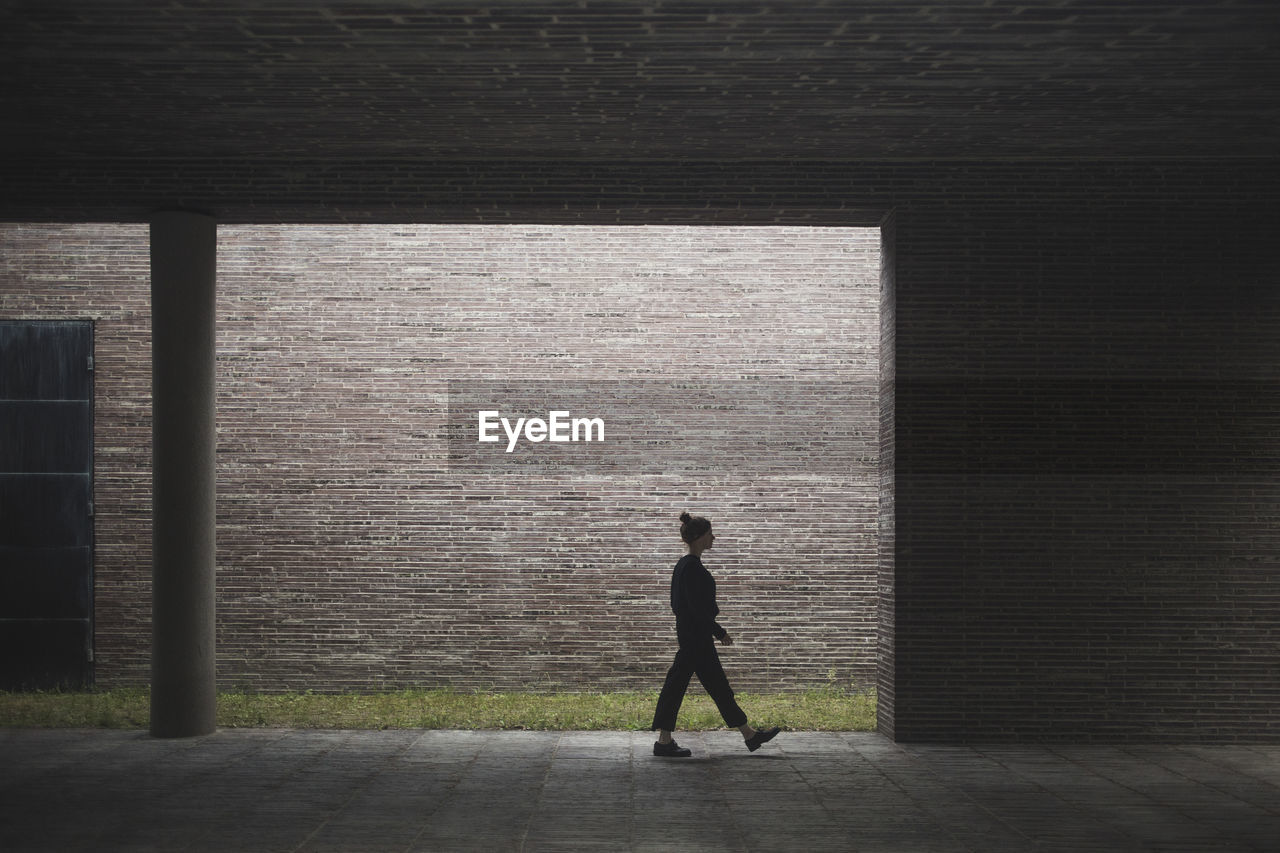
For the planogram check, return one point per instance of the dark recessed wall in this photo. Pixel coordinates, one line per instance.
(1087, 443)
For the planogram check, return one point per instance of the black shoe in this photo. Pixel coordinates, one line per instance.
(671, 750)
(761, 737)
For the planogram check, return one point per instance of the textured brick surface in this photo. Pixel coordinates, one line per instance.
(886, 550)
(351, 554)
(103, 275)
(1087, 436)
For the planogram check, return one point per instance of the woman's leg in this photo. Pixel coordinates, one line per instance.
(672, 695)
(711, 674)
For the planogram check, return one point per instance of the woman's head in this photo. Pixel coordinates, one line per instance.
(693, 528)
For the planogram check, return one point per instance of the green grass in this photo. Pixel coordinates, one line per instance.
(817, 710)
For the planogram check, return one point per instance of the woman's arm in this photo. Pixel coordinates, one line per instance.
(701, 592)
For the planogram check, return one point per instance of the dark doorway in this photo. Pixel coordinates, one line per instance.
(46, 504)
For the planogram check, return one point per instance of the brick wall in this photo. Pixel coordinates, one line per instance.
(1086, 450)
(353, 554)
(886, 677)
(102, 273)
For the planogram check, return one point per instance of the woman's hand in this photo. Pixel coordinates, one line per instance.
(726, 640)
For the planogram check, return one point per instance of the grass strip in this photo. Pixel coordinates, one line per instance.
(129, 708)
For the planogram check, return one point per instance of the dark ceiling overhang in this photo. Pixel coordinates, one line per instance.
(98, 95)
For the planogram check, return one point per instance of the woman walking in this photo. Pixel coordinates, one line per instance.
(693, 598)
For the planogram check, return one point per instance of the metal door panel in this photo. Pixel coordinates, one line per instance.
(46, 654)
(48, 581)
(45, 360)
(46, 504)
(44, 510)
(45, 436)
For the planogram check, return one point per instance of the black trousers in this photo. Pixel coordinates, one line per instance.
(696, 658)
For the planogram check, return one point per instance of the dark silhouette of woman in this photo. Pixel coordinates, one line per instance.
(693, 598)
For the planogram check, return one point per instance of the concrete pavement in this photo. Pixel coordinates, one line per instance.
(294, 790)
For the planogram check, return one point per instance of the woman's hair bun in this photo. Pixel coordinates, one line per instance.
(692, 527)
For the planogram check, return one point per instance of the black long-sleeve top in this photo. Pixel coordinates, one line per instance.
(693, 599)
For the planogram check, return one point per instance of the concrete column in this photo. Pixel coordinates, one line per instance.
(183, 680)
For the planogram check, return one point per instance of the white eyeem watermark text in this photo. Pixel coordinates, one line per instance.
(558, 426)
